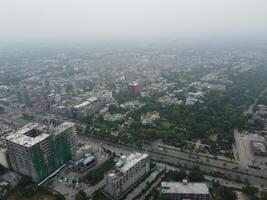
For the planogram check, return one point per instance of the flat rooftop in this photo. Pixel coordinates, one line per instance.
(82, 105)
(34, 133)
(29, 135)
(65, 125)
(133, 84)
(132, 160)
(85, 103)
(184, 188)
(125, 163)
(87, 159)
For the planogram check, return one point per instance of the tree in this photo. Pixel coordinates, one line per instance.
(229, 194)
(252, 192)
(177, 175)
(59, 197)
(81, 195)
(195, 175)
(263, 195)
(223, 193)
(28, 191)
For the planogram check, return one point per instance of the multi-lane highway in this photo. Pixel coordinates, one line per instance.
(182, 158)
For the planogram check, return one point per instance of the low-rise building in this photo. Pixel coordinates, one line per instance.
(184, 191)
(86, 162)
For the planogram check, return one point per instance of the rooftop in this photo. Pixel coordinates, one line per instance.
(29, 135)
(85, 103)
(131, 160)
(34, 133)
(65, 125)
(184, 188)
(125, 163)
(133, 84)
(82, 105)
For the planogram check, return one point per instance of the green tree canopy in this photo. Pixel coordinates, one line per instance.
(81, 195)
(195, 175)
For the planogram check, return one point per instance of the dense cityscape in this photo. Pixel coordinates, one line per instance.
(143, 122)
(133, 100)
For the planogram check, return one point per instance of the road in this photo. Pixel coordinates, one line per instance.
(243, 160)
(250, 108)
(184, 160)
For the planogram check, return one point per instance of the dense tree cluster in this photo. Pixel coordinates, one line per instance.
(220, 112)
(81, 195)
(224, 193)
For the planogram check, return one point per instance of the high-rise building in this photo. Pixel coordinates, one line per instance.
(24, 96)
(37, 151)
(184, 191)
(128, 171)
(135, 89)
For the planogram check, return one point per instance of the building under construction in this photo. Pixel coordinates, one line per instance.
(37, 151)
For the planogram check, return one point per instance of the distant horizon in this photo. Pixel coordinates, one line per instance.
(142, 42)
(132, 20)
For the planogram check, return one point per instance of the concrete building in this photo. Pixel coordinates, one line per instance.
(86, 108)
(184, 191)
(91, 105)
(135, 89)
(37, 152)
(128, 171)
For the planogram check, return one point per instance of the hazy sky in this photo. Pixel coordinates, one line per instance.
(131, 19)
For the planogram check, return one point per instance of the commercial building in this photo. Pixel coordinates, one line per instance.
(128, 171)
(91, 105)
(37, 151)
(86, 108)
(135, 89)
(184, 191)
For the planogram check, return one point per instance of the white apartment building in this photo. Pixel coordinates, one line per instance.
(128, 171)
